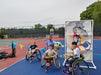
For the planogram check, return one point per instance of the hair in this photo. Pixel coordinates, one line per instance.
(50, 36)
(51, 45)
(74, 43)
(34, 42)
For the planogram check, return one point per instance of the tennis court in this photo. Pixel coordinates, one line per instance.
(23, 67)
(8, 42)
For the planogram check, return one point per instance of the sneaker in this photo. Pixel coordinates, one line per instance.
(67, 65)
(70, 69)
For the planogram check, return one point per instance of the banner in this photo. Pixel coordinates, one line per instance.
(82, 33)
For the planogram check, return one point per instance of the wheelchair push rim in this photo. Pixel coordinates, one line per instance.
(27, 56)
(38, 54)
(43, 62)
(57, 62)
(80, 70)
(66, 71)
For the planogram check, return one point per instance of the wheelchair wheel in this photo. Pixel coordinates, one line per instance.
(57, 62)
(66, 71)
(38, 54)
(43, 62)
(78, 69)
(27, 56)
(3, 55)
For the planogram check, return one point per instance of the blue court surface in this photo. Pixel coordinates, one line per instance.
(23, 67)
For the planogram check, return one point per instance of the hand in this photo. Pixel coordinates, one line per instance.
(55, 56)
(67, 55)
(36, 48)
(42, 56)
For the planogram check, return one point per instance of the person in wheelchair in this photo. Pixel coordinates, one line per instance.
(75, 55)
(50, 52)
(33, 48)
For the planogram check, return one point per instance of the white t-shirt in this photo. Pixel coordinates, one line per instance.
(77, 52)
(50, 52)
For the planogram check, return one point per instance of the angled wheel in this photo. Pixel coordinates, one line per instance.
(43, 62)
(30, 61)
(3, 55)
(57, 62)
(78, 69)
(27, 56)
(45, 70)
(38, 54)
(66, 71)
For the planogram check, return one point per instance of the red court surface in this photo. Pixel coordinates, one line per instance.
(20, 53)
(97, 38)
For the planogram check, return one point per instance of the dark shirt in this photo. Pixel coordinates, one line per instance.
(33, 46)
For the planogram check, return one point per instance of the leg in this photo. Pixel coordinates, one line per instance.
(13, 52)
(33, 51)
(71, 61)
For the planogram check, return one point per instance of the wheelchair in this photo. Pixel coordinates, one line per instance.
(31, 55)
(77, 68)
(48, 60)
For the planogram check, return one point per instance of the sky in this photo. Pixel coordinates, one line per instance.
(26, 13)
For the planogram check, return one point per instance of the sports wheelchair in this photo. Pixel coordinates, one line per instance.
(77, 67)
(31, 55)
(48, 60)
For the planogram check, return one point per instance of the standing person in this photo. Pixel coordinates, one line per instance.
(13, 49)
(50, 41)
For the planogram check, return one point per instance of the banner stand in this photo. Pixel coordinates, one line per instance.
(92, 67)
(84, 31)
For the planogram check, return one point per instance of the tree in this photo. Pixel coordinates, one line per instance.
(93, 11)
(61, 30)
(3, 31)
(97, 14)
(38, 26)
(49, 26)
(44, 27)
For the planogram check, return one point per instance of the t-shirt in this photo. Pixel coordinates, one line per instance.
(33, 46)
(77, 52)
(50, 42)
(50, 52)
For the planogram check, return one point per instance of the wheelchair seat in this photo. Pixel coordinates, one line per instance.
(81, 56)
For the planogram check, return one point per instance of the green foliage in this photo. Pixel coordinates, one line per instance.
(38, 25)
(97, 14)
(44, 27)
(49, 26)
(61, 29)
(38, 31)
(92, 12)
(3, 31)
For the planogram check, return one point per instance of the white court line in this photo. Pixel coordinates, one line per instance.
(96, 39)
(12, 64)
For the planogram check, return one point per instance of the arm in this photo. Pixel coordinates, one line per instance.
(53, 44)
(47, 46)
(44, 54)
(73, 55)
(36, 47)
(30, 48)
(75, 52)
(55, 54)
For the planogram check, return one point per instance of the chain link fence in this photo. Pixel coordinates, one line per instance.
(42, 31)
(39, 32)
(97, 30)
